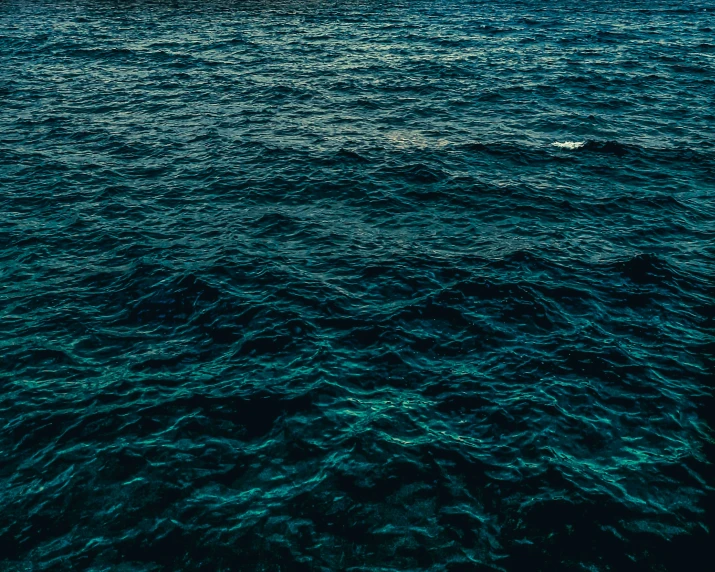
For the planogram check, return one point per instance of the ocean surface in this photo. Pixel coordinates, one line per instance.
(321, 286)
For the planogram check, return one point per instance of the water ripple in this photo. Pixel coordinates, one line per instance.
(351, 286)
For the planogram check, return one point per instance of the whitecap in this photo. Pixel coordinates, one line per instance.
(569, 144)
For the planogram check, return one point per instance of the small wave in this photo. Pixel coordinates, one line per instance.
(606, 147)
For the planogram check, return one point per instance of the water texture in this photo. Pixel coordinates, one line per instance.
(356, 285)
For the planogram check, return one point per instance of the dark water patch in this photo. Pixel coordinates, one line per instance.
(606, 147)
(644, 269)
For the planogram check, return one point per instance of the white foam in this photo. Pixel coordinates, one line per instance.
(569, 144)
(406, 139)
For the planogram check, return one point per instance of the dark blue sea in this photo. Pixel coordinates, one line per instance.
(357, 285)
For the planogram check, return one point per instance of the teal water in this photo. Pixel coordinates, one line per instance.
(356, 285)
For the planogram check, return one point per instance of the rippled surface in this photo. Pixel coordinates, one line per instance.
(366, 286)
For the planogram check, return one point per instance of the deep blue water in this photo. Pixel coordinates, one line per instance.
(357, 285)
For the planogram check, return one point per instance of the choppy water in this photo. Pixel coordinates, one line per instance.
(356, 285)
